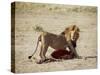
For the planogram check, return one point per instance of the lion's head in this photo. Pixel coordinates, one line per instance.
(71, 33)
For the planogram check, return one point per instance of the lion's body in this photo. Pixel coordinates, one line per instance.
(62, 41)
(53, 40)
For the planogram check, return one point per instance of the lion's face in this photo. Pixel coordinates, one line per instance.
(72, 33)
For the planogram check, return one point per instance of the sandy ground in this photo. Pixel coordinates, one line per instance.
(54, 21)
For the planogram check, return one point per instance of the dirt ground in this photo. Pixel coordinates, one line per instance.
(54, 19)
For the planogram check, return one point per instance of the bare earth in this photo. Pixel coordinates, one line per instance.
(54, 21)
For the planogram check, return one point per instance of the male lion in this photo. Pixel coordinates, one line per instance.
(62, 41)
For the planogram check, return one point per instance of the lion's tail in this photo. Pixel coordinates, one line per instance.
(39, 39)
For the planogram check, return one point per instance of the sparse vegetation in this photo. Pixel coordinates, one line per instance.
(50, 9)
(75, 9)
(34, 6)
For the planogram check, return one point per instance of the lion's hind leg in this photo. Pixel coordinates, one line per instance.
(43, 51)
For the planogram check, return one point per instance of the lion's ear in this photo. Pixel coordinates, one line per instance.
(67, 29)
(73, 27)
(63, 33)
(78, 30)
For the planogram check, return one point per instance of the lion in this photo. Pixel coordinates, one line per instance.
(62, 41)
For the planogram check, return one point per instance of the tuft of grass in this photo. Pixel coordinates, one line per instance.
(75, 9)
(50, 9)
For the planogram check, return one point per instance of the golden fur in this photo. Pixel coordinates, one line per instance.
(61, 41)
